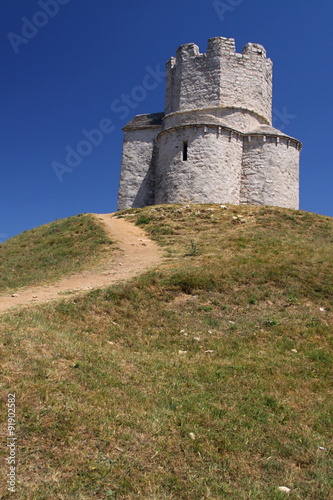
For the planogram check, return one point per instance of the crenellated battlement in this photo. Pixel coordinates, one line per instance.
(217, 47)
(254, 49)
(221, 78)
(220, 45)
(186, 51)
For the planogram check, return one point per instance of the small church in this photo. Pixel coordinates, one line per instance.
(214, 142)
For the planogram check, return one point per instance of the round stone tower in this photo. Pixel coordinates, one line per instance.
(215, 142)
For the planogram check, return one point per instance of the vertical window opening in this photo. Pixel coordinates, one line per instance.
(185, 150)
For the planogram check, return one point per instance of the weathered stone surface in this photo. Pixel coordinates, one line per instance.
(210, 174)
(138, 166)
(218, 108)
(270, 172)
(220, 78)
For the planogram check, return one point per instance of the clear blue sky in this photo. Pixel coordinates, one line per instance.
(62, 77)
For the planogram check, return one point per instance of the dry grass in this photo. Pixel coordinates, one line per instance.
(107, 402)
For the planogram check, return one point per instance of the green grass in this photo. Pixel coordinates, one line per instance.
(49, 252)
(110, 386)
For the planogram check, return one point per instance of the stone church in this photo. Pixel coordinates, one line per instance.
(214, 142)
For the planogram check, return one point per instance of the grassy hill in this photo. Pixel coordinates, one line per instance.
(49, 252)
(207, 378)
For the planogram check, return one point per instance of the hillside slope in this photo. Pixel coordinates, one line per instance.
(49, 252)
(209, 377)
(99, 266)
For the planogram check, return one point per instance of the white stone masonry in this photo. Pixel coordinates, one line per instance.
(215, 142)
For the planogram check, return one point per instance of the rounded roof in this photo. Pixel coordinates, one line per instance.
(269, 130)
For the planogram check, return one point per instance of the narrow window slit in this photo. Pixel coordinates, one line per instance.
(185, 150)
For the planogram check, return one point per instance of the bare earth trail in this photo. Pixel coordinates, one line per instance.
(135, 254)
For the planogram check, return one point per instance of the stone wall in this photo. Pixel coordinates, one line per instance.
(270, 172)
(211, 173)
(137, 171)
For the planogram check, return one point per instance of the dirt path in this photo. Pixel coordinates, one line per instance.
(135, 253)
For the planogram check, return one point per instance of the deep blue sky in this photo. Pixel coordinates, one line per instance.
(65, 77)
